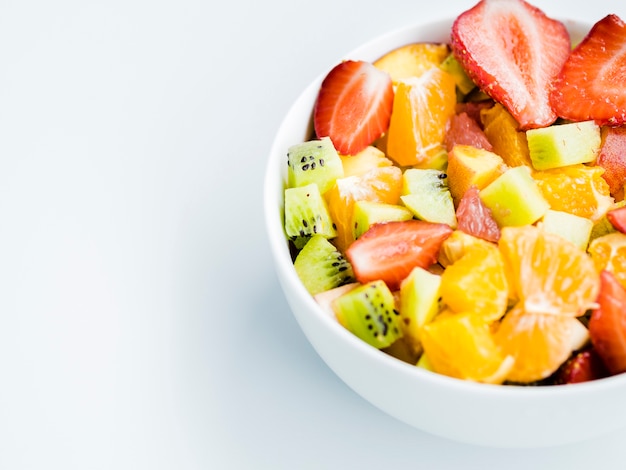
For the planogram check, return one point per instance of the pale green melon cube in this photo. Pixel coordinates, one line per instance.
(572, 227)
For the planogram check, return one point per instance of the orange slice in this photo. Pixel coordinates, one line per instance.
(412, 60)
(609, 252)
(547, 273)
(421, 108)
(477, 283)
(553, 282)
(577, 189)
(463, 346)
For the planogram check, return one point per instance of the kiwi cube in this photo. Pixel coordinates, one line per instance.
(314, 161)
(321, 267)
(367, 213)
(306, 214)
(370, 313)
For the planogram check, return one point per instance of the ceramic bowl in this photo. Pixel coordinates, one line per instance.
(488, 415)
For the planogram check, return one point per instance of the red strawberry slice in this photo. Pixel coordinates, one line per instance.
(591, 84)
(612, 157)
(353, 106)
(389, 251)
(513, 51)
(617, 217)
(607, 325)
(584, 366)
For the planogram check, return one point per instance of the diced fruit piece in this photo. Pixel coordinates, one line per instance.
(583, 366)
(577, 189)
(306, 214)
(591, 82)
(514, 198)
(617, 218)
(326, 298)
(501, 129)
(476, 283)
(463, 82)
(383, 184)
(369, 312)
(607, 325)
(558, 279)
(569, 226)
(315, 161)
(412, 60)
(608, 253)
(474, 218)
(513, 51)
(419, 303)
(470, 166)
(540, 343)
(321, 267)
(353, 106)
(424, 363)
(462, 346)
(390, 251)
(364, 161)
(463, 130)
(612, 158)
(457, 245)
(426, 194)
(421, 109)
(561, 145)
(368, 213)
(403, 350)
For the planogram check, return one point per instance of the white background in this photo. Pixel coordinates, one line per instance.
(141, 323)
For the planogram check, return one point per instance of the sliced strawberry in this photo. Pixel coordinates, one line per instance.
(463, 130)
(612, 157)
(617, 217)
(584, 366)
(513, 51)
(607, 325)
(474, 218)
(389, 251)
(353, 106)
(591, 84)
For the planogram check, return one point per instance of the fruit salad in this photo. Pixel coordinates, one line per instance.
(460, 205)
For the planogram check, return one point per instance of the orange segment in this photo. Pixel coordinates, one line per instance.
(457, 245)
(477, 283)
(501, 130)
(554, 281)
(540, 343)
(463, 346)
(382, 184)
(577, 189)
(421, 108)
(547, 273)
(609, 252)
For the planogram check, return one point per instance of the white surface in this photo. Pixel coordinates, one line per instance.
(142, 325)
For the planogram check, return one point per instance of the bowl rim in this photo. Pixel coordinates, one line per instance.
(274, 181)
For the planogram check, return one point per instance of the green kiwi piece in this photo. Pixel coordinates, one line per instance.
(463, 82)
(321, 267)
(564, 144)
(367, 213)
(306, 214)
(425, 192)
(314, 161)
(370, 313)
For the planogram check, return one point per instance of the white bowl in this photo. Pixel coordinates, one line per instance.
(488, 415)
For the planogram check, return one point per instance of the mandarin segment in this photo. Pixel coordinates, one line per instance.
(608, 252)
(477, 283)
(577, 189)
(548, 274)
(463, 346)
(421, 108)
(539, 343)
